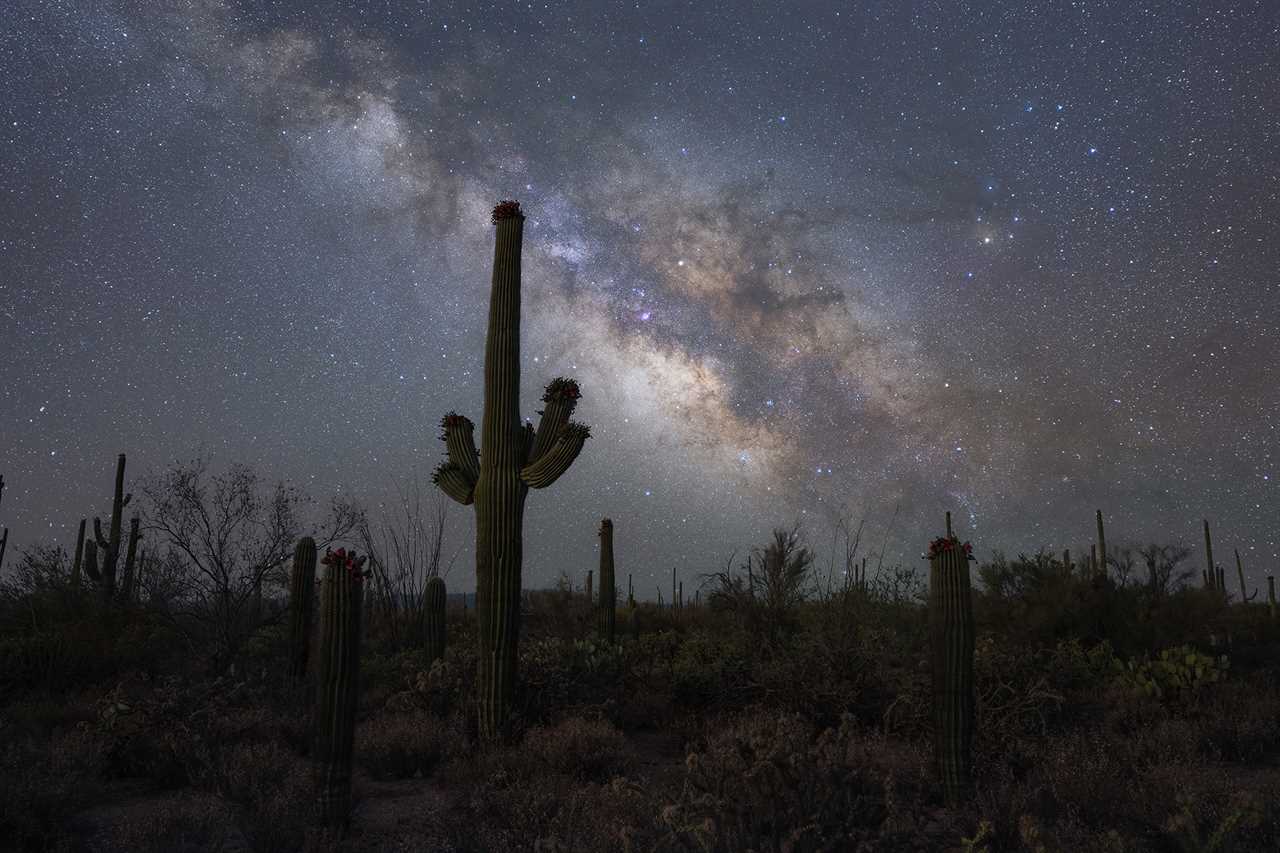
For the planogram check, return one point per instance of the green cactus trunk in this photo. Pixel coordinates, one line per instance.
(301, 594)
(131, 555)
(512, 460)
(79, 557)
(337, 688)
(1211, 574)
(608, 614)
(105, 576)
(951, 637)
(433, 619)
(1102, 547)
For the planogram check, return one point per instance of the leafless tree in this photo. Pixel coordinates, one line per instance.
(230, 535)
(1122, 561)
(405, 551)
(1162, 564)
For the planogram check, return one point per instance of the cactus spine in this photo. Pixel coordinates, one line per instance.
(301, 593)
(433, 619)
(951, 638)
(608, 597)
(339, 673)
(512, 460)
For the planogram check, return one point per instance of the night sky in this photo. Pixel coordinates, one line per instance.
(1015, 260)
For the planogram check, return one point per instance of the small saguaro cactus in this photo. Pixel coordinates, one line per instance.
(512, 459)
(951, 639)
(608, 612)
(1271, 595)
(590, 597)
(301, 594)
(433, 619)
(337, 689)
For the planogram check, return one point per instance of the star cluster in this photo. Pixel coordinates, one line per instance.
(1017, 261)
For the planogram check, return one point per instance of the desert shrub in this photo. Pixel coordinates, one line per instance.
(767, 783)
(42, 714)
(1239, 722)
(596, 660)
(588, 750)
(399, 746)
(193, 820)
(547, 680)
(712, 669)
(43, 783)
(273, 786)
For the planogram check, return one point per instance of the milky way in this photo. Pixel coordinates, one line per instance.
(808, 261)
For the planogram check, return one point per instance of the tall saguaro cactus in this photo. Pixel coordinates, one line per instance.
(512, 459)
(433, 618)
(301, 593)
(1210, 574)
(608, 614)
(338, 684)
(951, 638)
(79, 556)
(109, 546)
(1102, 548)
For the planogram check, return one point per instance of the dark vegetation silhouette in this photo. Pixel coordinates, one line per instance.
(226, 673)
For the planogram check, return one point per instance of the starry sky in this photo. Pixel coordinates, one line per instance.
(807, 260)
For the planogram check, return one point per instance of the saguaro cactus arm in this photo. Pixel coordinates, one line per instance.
(458, 434)
(1244, 596)
(548, 468)
(454, 482)
(561, 396)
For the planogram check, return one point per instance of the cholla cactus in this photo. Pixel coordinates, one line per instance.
(433, 619)
(951, 638)
(339, 673)
(512, 459)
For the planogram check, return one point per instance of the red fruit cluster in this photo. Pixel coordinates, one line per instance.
(506, 209)
(353, 564)
(942, 545)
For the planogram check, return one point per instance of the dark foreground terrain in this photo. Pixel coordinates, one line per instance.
(1111, 718)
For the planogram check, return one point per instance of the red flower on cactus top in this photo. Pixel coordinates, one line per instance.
(561, 387)
(354, 565)
(507, 209)
(943, 545)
